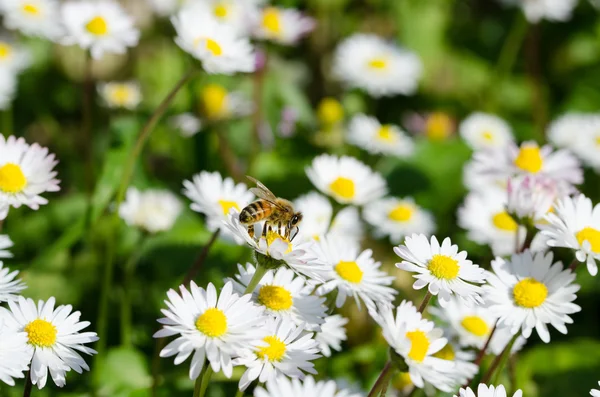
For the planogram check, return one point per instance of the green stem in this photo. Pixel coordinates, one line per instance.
(383, 376)
(28, 385)
(198, 383)
(499, 362)
(512, 45)
(7, 121)
(205, 380)
(426, 300)
(239, 393)
(128, 273)
(87, 89)
(193, 271)
(258, 275)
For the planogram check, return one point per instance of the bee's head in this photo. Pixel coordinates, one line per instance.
(296, 219)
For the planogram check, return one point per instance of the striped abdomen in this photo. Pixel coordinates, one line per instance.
(256, 212)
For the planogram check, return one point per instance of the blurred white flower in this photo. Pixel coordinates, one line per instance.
(595, 392)
(485, 391)
(26, 171)
(14, 58)
(216, 45)
(153, 210)
(126, 95)
(33, 17)
(98, 26)
(551, 10)
(10, 285)
(443, 269)
(353, 273)
(8, 88)
(565, 131)
(463, 369)
(5, 244)
(379, 67)
(15, 354)
(482, 130)
(368, 133)
(282, 25)
(531, 197)
(219, 104)
(346, 179)
(187, 124)
(332, 334)
(483, 183)
(54, 335)
(530, 291)
(285, 350)
(210, 327)
(397, 218)
(308, 387)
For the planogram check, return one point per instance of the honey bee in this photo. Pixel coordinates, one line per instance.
(278, 213)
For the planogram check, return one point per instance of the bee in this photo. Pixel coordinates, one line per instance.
(278, 213)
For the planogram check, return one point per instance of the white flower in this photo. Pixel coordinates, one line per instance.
(5, 243)
(15, 354)
(10, 285)
(284, 295)
(397, 218)
(282, 25)
(285, 350)
(25, 173)
(416, 340)
(153, 210)
(586, 146)
(317, 222)
(530, 291)
(219, 104)
(332, 334)
(126, 95)
(381, 68)
(595, 392)
(237, 14)
(575, 224)
(214, 196)
(308, 387)
(346, 179)
(187, 124)
(8, 87)
(551, 10)
(463, 369)
(54, 335)
(485, 391)
(98, 26)
(482, 130)
(531, 197)
(476, 181)
(33, 17)
(215, 44)
(442, 268)
(13, 57)
(368, 133)
(353, 273)
(565, 131)
(209, 327)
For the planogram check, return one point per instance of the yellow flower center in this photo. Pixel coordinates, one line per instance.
(401, 380)
(213, 47)
(597, 140)
(275, 297)
(475, 325)
(220, 11)
(529, 159)
(214, 100)
(588, 234)
(446, 353)
(41, 333)
(379, 63)
(343, 187)
(212, 323)
(530, 293)
(401, 213)
(503, 221)
(488, 136)
(271, 20)
(12, 179)
(386, 133)
(419, 345)
(274, 351)
(349, 271)
(5, 50)
(120, 94)
(438, 126)
(444, 267)
(97, 26)
(227, 205)
(272, 236)
(330, 111)
(30, 9)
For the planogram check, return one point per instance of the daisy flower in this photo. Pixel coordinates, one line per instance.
(368, 133)
(13, 57)
(26, 171)
(485, 391)
(127, 95)
(317, 222)
(210, 327)
(564, 132)
(595, 392)
(98, 26)
(332, 334)
(54, 335)
(237, 14)
(397, 218)
(187, 124)
(575, 224)
(282, 386)
(214, 196)
(216, 45)
(330, 112)
(416, 340)
(286, 350)
(218, 104)
(528, 291)
(551, 10)
(436, 126)
(282, 25)
(15, 354)
(463, 369)
(586, 145)
(379, 67)
(531, 197)
(346, 179)
(442, 268)
(483, 131)
(284, 295)
(153, 210)
(33, 17)
(353, 273)
(8, 88)
(5, 243)
(10, 285)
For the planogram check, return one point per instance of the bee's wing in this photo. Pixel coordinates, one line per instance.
(262, 191)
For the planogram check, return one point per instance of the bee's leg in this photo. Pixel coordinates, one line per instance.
(297, 229)
(264, 230)
(251, 230)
